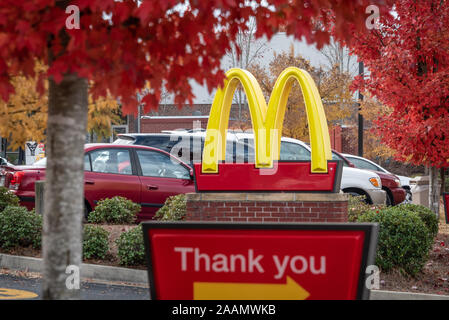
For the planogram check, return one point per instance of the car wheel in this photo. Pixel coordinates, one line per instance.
(389, 200)
(86, 214)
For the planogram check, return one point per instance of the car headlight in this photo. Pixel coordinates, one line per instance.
(375, 182)
(398, 182)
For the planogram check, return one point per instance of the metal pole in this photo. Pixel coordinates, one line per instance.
(360, 129)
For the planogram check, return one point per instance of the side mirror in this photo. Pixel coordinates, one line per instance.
(191, 174)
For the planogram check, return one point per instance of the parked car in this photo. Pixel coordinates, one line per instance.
(4, 162)
(240, 148)
(395, 194)
(142, 174)
(187, 145)
(364, 163)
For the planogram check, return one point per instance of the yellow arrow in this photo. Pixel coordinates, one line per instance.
(16, 294)
(249, 291)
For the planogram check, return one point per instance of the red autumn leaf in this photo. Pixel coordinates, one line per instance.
(147, 40)
(408, 63)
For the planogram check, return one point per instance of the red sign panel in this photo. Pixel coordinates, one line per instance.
(215, 261)
(284, 176)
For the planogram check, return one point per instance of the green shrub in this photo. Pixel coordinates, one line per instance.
(404, 240)
(7, 198)
(357, 206)
(95, 242)
(20, 227)
(173, 209)
(116, 210)
(131, 248)
(427, 216)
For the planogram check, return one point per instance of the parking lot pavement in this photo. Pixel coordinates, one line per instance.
(15, 287)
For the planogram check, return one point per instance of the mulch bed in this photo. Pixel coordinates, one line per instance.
(435, 276)
(433, 279)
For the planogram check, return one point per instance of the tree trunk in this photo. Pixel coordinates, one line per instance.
(434, 194)
(443, 181)
(64, 187)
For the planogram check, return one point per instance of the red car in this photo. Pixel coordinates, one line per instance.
(390, 183)
(142, 174)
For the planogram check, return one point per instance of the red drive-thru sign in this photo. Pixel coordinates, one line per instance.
(220, 261)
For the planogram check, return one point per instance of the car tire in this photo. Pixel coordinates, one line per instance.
(388, 201)
(86, 213)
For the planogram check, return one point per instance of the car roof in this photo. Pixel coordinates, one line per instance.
(372, 162)
(93, 146)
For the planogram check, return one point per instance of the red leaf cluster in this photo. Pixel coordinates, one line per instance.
(408, 63)
(122, 45)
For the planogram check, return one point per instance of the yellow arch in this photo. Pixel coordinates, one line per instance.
(267, 121)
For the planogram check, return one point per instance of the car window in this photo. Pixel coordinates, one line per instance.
(362, 164)
(289, 151)
(187, 148)
(159, 142)
(111, 161)
(337, 157)
(294, 151)
(87, 166)
(157, 164)
(190, 150)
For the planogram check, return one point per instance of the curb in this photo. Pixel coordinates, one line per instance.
(88, 271)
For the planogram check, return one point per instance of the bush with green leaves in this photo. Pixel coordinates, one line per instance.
(7, 198)
(173, 209)
(358, 206)
(95, 242)
(404, 239)
(20, 228)
(116, 210)
(131, 248)
(427, 216)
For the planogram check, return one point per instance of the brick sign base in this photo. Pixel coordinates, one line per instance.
(267, 207)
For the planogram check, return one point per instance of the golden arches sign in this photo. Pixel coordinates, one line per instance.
(268, 120)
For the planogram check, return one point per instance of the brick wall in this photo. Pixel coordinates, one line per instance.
(156, 125)
(267, 207)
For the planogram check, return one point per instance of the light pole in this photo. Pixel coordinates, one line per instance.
(360, 126)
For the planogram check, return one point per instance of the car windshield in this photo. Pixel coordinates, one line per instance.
(337, 157)
(363, 164)
(289, 151)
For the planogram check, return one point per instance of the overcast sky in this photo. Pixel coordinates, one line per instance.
(279, 43)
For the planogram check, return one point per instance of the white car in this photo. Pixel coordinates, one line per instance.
(363, 163)
(240, 147)
(353, 181)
